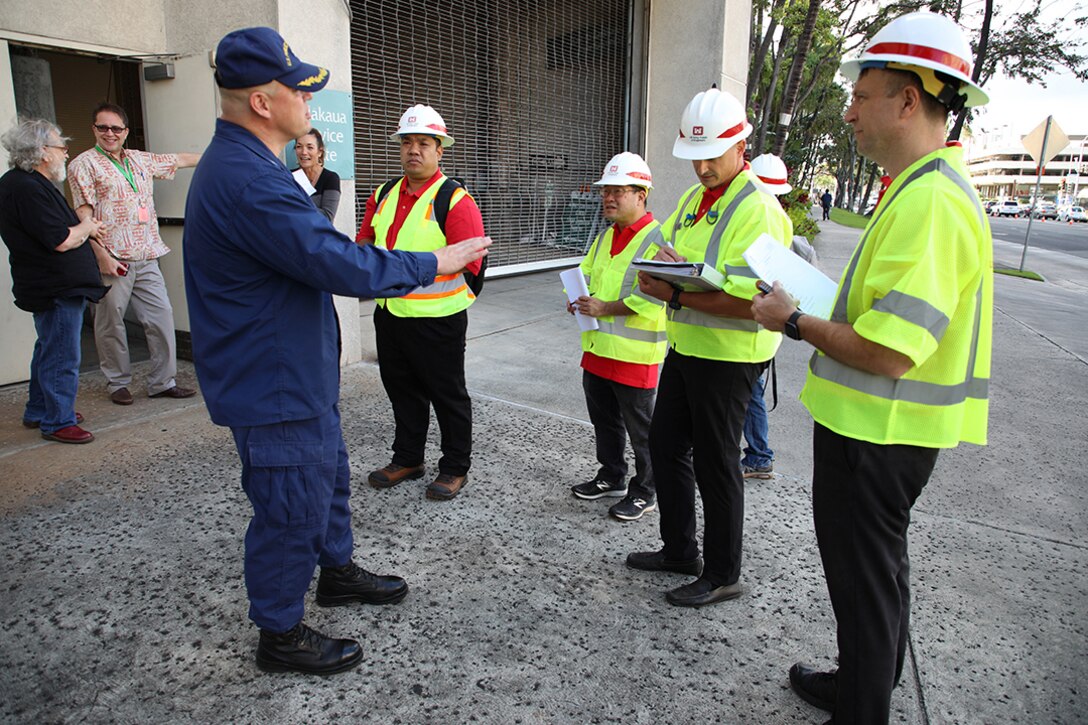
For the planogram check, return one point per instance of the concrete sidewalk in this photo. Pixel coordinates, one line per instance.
(123, 600)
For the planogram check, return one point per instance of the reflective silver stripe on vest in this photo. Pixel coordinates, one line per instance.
(715, 243)
(654, 236)
(683, 205)
(914, 310)
(619, 329)
(688, 316)
(744, 271)
(437, 288)
(911, 309)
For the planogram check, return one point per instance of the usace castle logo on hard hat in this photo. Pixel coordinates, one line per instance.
(613, 169)
(696, 130)
(411, 119)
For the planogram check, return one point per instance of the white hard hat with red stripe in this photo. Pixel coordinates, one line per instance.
(422, 120)
(626, 169)
(712, 123)
(771, 174)
(923, 40)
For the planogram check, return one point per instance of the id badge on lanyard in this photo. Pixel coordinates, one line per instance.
(143, 214)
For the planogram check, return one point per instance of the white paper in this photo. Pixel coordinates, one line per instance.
(688, 276)
(575, 284)
(772, 262)
(302, 180)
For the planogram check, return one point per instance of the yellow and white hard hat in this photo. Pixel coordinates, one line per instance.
(771, 175)
(626, 169)
(422, 120)
(712, 122)
(924, 43)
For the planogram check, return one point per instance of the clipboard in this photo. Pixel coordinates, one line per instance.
(686, 276)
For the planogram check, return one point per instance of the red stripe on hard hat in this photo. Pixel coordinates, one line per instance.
(923, 52)
(771, 180)
(733, 131)
(639, 175)
(436, 127)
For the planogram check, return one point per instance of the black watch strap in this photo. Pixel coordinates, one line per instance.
(674, 303)
(790, 328)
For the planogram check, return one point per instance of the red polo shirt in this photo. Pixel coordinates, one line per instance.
(463, 221)
(620, 371)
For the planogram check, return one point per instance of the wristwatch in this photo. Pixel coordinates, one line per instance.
(674, 303)
(791, 329)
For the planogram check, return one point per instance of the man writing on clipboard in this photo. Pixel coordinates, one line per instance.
(716, 351)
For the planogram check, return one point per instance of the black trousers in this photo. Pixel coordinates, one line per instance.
(695, 440)
(618, 411)
(422, 363)
(862, 494)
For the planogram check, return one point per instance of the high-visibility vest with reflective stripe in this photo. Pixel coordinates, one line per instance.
(719, 239)
(637, 338)
(449, 293)
(922, 276)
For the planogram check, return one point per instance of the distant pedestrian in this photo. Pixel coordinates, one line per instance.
(902, 368)
(825, 202)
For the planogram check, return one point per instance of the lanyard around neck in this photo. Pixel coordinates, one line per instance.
(125, 168)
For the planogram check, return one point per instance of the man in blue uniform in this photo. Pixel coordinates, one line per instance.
(260, 265)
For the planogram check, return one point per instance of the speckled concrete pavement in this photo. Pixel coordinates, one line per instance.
(122, 599)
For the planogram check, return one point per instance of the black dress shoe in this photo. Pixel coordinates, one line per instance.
(301, 649)
(656, 561)
(702, 592)
(818, 689)
(340, 585)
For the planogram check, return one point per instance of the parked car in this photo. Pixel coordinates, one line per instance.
(989, 205)
(1046, 210)
(1009, 207)
(1073, 213)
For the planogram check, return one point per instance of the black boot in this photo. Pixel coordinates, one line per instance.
(301, 649)
(339, 585)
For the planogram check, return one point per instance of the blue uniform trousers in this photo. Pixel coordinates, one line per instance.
(296, 475)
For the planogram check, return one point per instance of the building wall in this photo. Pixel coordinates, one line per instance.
(180, 113)
(693, 44)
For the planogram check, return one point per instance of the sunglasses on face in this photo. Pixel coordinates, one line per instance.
(103, 128)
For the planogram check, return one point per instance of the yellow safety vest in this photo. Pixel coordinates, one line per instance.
(448, 294)
(637, 338)
(920, 282)
(719, 239)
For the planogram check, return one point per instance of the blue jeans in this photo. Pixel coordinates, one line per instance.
(296, 476)
(54, 369)
(757, 453)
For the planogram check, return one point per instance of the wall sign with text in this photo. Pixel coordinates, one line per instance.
(331, 114)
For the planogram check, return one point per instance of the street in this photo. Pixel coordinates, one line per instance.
(1049, 234)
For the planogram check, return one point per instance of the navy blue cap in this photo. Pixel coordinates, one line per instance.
(255, 56)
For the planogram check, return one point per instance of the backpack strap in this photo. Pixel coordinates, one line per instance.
(442, 201)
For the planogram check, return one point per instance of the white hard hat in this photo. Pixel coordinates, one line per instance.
(771, 174)
(712, 123)
(626, 169)
(422, 120)
(922, 40)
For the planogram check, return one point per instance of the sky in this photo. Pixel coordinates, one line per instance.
(1023, 106)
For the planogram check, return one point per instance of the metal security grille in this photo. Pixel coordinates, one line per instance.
(535, 94)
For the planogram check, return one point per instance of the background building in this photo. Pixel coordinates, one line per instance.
(538, 95)
(1001, 168)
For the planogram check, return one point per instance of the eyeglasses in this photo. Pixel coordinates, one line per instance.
(606, 191)
(54, 146)
(103, 128)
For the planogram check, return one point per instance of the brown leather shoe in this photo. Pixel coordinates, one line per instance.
(71, 434)
(121, 396)
(445, 486)
(175, 392)
(393, 474)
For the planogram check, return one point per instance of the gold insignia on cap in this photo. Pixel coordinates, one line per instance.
(313, 79)
(286, 54)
